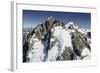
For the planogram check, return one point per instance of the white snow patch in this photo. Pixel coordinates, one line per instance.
(53, 53)
(63, 39)
(86, 54)
(37, 52)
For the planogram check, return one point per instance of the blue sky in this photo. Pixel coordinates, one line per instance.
(31, 18)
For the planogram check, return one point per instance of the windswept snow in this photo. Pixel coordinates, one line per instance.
(63, 39)
(36, 50)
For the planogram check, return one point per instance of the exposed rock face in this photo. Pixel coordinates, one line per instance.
(53, 41)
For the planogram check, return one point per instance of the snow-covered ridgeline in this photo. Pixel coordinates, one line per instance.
(60, 39)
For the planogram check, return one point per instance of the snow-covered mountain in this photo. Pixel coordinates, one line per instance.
(52, 40)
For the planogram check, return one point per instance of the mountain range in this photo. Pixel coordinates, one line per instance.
(52, 40)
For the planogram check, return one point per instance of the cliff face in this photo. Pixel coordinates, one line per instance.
(53, 41)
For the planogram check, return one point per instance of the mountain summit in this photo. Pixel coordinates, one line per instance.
(52, 40)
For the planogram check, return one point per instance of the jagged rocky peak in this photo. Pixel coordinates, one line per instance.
(71, 25)
(54, 22)
(43, 28)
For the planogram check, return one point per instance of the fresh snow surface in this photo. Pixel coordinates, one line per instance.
(63, 40)
(36, 54)
(86, 54)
